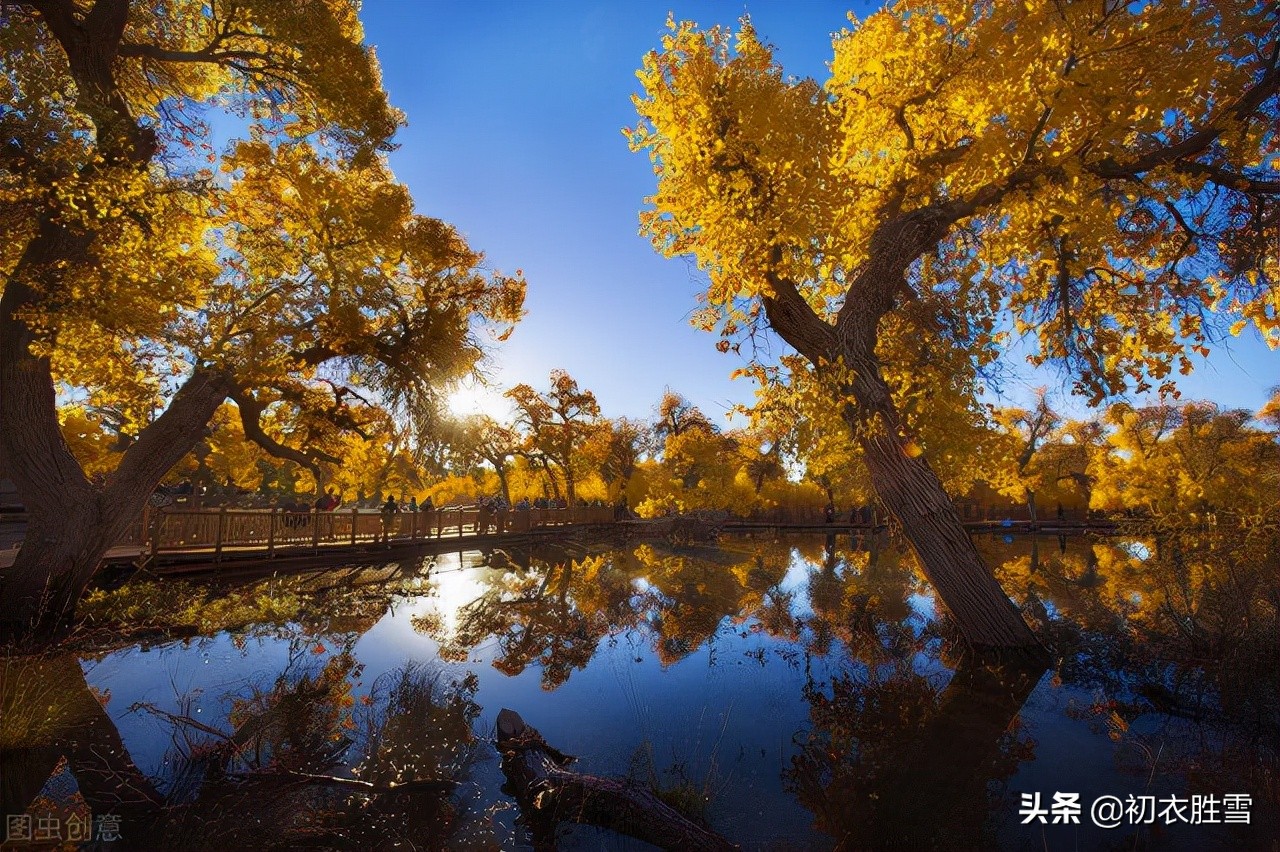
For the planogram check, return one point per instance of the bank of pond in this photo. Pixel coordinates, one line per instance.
(774, 691)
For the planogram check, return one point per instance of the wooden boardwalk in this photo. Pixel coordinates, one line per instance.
(194, 540)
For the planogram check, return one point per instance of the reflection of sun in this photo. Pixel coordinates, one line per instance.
(454, 588)
(470, 397)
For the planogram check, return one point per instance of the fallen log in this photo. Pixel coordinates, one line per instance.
(548, 794)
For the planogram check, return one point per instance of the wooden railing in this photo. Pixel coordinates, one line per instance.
(224, 531)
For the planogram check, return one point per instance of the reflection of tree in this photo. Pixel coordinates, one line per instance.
(346, 600)
(1181, 631)
(695, 588)
(1079, 582)
(298, 762)
(1202, 601)
(894, 762)
(554, 610)
(859, 597)
(48, 711)
(552, 613)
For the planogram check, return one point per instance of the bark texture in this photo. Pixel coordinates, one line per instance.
(912, 492)
(71, 523)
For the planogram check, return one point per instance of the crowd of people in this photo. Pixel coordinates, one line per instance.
(494, 510)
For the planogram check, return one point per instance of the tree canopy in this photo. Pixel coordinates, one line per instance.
(1103, 172)
(152, 276)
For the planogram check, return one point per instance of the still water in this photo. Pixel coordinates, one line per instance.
(793, 693)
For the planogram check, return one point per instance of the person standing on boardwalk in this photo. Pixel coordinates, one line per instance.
(389, 511)
(429, 509)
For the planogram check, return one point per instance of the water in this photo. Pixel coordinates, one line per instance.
(796, 694)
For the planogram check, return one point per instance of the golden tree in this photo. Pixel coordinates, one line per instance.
(480, 438)
(1024, 435)
(289, 274)
(556, 424)
(613, 449)
(1101, 171)
(1177, 465)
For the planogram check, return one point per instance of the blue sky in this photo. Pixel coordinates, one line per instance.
(515, 112)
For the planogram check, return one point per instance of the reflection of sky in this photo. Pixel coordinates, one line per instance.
(1136, 549)
(454, 586)
(728, 712)
(923, 605)
(208, 672)
(795, 581)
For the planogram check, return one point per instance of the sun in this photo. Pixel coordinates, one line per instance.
(471, 397)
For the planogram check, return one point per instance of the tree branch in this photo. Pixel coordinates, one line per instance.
(1198, 142)
(168, 438)
(251, 412)
(790, 315)
(1231, 180)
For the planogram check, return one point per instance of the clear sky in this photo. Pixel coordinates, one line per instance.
(515, 111)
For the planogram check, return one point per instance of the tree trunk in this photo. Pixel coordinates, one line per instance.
(549, 478)
(506, 487)
(70, 523)
(913, 494)
(549, 793)
(905, 483)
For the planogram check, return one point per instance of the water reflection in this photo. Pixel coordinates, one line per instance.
(804, 689)
(300, 762)
(894, 761)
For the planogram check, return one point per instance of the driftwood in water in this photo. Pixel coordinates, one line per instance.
(549, 793)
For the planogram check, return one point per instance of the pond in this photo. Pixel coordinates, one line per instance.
(791, 693)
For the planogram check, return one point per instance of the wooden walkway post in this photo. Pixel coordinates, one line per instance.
(157, 522)
(271, 534)
(355, 524)
(217, 537)
(315, 530)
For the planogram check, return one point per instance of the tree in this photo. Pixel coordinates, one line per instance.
(1171, 462)
(297, 282)
(935, 392)
(89, 441)
(613, 449)
(676, 415)
(758, 463)
(556, 424)
(1270, 411)
(1065, 460)
(481, 438)
(376, 464)
(1097, 170)
(1026, 433)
